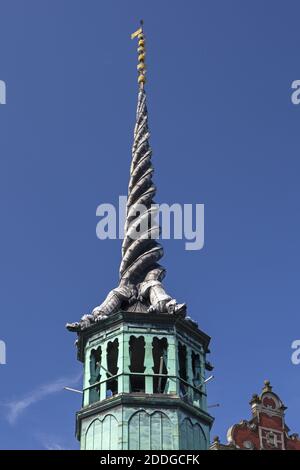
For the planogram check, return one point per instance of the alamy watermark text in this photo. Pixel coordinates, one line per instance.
(176, 221)
(2, 352)
(295, 357)
(2, 92)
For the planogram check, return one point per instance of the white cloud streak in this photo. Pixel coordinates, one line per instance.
(53, 447)
(51, 441)
(15, 408)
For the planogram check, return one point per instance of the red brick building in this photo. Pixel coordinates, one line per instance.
(266, 430)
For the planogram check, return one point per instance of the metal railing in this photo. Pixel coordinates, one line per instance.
(185, 390)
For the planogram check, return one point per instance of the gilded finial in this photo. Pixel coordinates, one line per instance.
(141, 67)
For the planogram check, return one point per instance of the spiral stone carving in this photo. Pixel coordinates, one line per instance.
(140, 249)
(140, 287)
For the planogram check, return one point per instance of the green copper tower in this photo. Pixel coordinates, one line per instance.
(144, 359)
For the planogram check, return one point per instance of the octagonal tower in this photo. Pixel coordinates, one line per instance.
(143, 384)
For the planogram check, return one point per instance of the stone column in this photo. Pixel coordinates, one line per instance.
(86, 377)
(172, 366)
(189, 370)
(103, 386)
(203, 403)
(148, 364)
(121, 363)
(126, 362)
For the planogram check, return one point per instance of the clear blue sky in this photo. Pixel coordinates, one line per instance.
(224, 133)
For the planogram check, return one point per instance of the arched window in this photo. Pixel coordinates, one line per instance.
(196, 369)
(112, 367)
(160, 360)
(196, 366)
(95, 374)
(182, 361)
(137, 358)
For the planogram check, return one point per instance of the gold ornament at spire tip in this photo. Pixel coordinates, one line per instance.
(141, 67)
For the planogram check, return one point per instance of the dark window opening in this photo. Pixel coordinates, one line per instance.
(182, 358)
(95, 374)
(160, 357)
(112, 367)
(196, 366)
(137, 357)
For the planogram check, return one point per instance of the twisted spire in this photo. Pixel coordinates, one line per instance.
(140, 286)
(140, 249)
